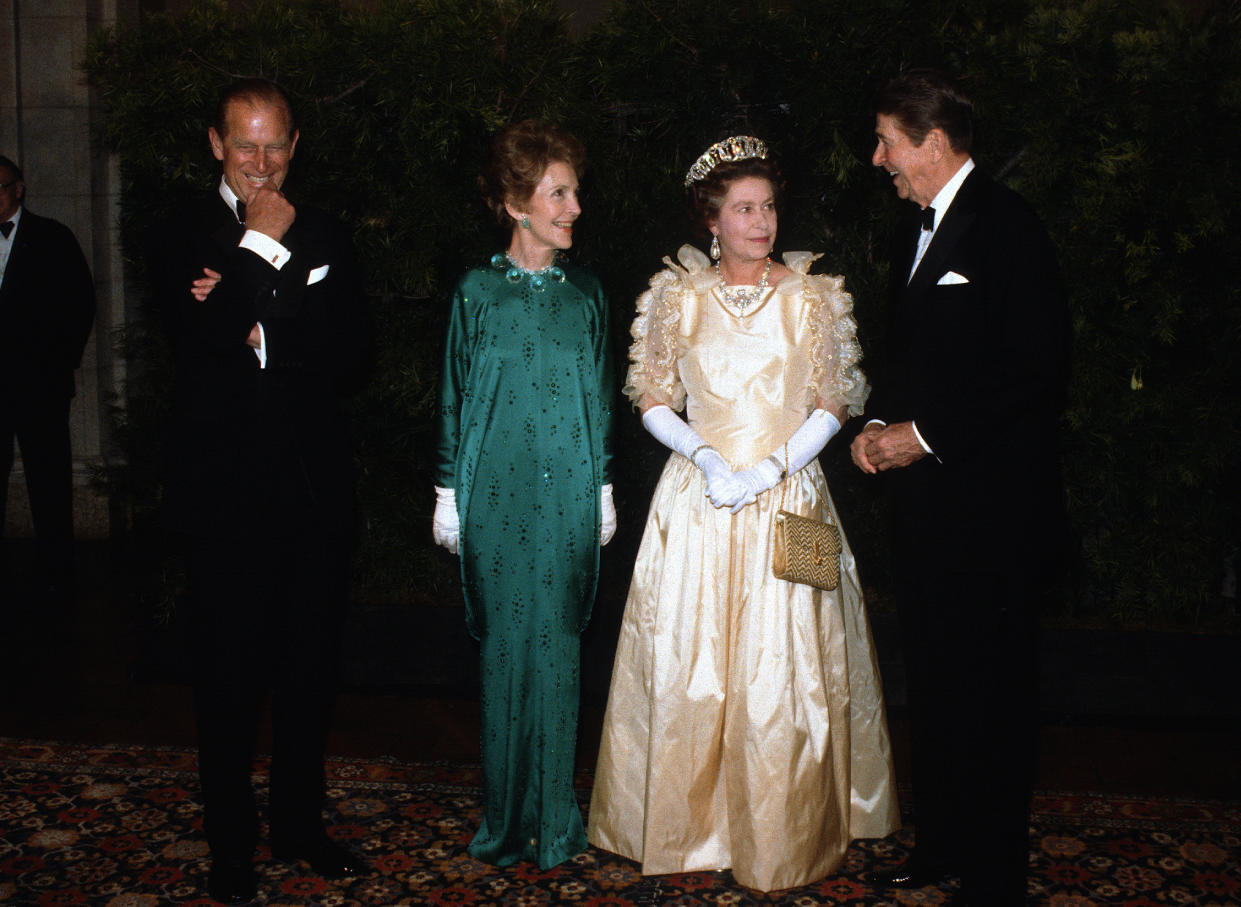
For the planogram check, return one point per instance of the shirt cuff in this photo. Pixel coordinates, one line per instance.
(922, 440)
(261, 352)
(266, 248)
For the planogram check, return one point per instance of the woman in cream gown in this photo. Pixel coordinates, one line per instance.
(745, 726)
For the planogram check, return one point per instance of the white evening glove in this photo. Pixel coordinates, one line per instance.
(758, 478)
(808, 441)
(445, 524)
(607, 508)
(802, 447)
(669, 429)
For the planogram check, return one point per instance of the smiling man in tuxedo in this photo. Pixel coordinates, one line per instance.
(965, 428)
(266, 316)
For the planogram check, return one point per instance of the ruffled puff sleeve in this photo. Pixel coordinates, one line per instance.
(653, 355)
(834, 350)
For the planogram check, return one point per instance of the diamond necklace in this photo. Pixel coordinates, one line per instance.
(743, 297)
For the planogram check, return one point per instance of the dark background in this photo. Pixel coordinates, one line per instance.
(1119, 121)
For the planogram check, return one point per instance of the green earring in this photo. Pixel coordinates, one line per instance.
(525, 222)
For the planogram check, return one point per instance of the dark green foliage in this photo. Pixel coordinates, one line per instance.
(1138, 182)
(1119, 121)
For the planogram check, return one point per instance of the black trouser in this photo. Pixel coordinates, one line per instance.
(266, 614)
(41, 428)
(970, 666)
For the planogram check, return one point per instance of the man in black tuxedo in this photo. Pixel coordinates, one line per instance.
(47, 306)
(267, 323)
(965, 426)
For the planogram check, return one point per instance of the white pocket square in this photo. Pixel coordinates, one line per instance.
(951, 278)
(317, 274)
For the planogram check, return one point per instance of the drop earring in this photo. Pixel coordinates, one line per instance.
(715, 248)
(525, 222)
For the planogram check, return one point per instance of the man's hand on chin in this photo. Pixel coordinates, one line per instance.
(269, 212)
(891, 447)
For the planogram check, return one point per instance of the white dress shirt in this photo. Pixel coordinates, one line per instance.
(265, 248)
(941, 203)
(6, 242)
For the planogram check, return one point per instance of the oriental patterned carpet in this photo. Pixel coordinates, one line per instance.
(120, 826)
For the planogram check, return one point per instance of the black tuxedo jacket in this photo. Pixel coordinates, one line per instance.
(257, 452)
(47, 306)
(977, 345)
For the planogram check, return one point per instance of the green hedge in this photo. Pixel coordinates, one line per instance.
(1121, 122)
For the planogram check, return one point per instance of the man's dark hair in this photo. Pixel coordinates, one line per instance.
(253, 93)
(924, 99)
(8, 164)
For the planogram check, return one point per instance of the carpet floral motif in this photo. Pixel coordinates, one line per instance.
(120, 826)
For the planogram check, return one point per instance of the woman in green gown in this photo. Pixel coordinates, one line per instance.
(523, 487)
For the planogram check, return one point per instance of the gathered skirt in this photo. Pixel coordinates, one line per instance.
(745, 725)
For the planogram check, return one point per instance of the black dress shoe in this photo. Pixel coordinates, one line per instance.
(327, 859)
(231, 880)
(913, 873)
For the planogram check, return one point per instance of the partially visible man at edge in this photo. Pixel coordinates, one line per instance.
(269, 329)
(964, 422)
(47, 307)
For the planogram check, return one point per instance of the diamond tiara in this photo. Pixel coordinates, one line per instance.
(733, 148)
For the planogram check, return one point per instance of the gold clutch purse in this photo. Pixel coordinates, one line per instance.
(805, 550)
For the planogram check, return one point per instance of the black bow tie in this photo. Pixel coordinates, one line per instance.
(7, 227)
(241, 212)
(928, 218)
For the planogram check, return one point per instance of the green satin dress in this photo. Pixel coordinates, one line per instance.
(526, 403)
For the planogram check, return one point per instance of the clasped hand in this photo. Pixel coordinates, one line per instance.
(880, 447)
(735, 490)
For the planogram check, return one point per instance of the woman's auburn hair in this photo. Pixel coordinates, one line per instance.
(520, 155)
